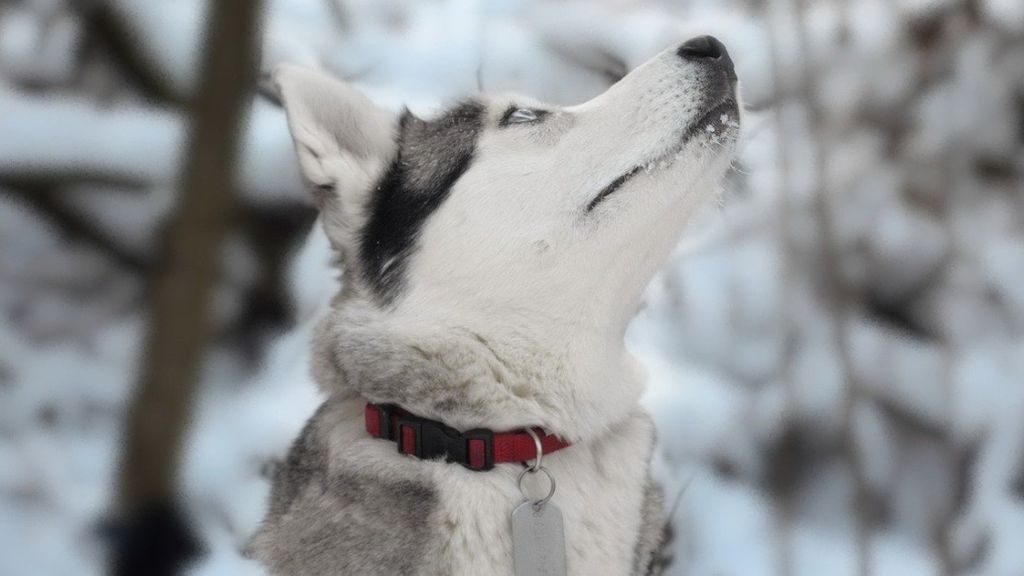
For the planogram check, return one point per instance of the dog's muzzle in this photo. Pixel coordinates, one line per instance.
(708, 51)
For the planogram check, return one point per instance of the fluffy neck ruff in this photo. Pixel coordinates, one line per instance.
(574, 385)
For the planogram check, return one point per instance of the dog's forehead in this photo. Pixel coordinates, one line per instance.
(451, 121)
(431, 154)
(458, 124)
(429, 147)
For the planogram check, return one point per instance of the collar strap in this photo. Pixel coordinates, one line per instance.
(478, 449)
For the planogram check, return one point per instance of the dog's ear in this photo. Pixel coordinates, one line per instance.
(342, 141)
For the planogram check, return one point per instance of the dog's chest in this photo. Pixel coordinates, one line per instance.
(599, 491)
(347, 503)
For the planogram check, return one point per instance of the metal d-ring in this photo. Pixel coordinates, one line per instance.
(540, 450)
(537, 504)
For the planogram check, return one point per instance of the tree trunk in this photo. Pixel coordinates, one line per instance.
(154, 538)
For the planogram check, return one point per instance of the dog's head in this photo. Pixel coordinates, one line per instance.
(505, 207)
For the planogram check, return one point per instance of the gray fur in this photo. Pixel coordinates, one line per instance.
(322, 521)
(306, 464)
(354, 355)
(652, 530)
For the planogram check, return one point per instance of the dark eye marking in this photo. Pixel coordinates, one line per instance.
(431, 156)
(519, 115)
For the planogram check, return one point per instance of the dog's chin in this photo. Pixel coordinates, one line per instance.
(713, 134)
(714, 131)
(720, 123)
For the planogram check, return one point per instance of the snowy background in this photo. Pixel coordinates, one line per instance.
(836, 352)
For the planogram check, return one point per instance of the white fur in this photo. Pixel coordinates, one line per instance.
(476, 507)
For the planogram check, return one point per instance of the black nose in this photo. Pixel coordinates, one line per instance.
(707, 50)
(702, 47)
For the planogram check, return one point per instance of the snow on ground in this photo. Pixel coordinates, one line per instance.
(770, 401)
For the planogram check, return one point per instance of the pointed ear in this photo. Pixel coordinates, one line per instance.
(342, 141)
(328, 118)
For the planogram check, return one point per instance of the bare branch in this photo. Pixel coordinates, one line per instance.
(45, 202)
(784, 532)
(837, 297)
(110, 35)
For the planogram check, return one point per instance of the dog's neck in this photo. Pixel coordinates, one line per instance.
(573, 383)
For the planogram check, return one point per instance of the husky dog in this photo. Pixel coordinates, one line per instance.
(492, 258)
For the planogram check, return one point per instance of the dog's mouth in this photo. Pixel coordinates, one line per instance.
(719, 122)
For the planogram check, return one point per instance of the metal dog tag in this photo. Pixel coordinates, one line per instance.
(538, 540)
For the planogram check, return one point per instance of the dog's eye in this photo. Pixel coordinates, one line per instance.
(521, 116)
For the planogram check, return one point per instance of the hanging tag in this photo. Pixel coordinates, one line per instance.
(538, 540)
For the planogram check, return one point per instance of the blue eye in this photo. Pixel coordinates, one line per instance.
(516, 115)
(522, 115)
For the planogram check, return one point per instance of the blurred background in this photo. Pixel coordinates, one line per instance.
(836, 349)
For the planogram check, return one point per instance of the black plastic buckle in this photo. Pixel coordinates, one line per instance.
(435, 440)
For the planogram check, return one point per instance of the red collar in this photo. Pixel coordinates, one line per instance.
(478, 449)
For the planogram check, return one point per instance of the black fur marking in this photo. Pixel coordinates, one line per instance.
(431, 157)
(727, 107)
(611, 188)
